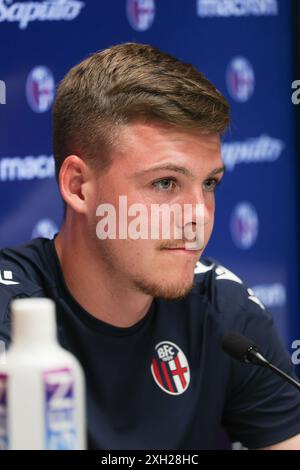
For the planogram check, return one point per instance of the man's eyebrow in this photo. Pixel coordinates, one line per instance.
(179, 169)
(222, 169)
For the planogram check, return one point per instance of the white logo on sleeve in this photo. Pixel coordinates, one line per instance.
(255, 299)
(225, 274)
(201, 268)
(6, 278)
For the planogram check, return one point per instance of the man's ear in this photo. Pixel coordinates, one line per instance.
(74, 183)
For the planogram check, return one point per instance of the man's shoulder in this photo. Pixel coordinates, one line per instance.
(227, 294)
(21, 269)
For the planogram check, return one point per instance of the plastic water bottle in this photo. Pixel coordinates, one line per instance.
(42, 390)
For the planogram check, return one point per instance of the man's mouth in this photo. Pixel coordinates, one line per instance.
(182, 249)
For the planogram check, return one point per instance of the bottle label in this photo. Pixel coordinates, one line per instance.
(60, 414)
(3, 412)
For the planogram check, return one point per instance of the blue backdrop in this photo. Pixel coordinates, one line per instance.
(244, 47)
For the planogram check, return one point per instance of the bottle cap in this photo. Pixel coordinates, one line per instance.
(33, 319)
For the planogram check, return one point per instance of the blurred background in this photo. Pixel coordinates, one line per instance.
(248, 48)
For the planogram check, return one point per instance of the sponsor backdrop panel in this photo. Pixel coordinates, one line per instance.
(243, 46)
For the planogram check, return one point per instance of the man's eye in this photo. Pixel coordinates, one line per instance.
(211, 184)
(165, 184)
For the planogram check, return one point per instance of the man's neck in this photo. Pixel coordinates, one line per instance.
(97, 292)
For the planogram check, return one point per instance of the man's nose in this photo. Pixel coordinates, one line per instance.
(195, 210)
(195, 216)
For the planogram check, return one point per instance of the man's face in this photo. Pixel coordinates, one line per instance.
(156, 164)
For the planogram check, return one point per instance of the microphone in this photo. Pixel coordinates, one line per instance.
(245, 350)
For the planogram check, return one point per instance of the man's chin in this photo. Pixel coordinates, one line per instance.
(165, 290)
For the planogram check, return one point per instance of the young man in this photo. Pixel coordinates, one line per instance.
(144, 317)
